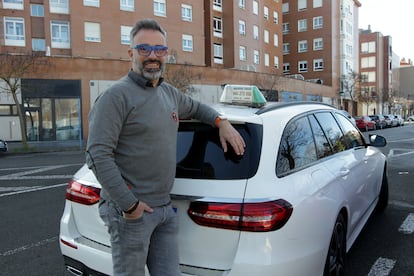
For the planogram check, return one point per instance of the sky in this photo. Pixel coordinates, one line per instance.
(393, 18)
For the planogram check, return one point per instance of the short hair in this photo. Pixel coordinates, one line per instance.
(146, 24)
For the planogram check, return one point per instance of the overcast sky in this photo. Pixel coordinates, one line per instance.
(393, 18)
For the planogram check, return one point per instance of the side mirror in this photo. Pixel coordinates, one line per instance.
(377, 140)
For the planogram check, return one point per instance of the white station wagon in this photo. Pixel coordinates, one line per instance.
(293, 204)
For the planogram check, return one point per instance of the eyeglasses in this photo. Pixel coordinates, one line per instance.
(145, 50)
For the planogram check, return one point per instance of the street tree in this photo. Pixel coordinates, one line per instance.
(14, 67)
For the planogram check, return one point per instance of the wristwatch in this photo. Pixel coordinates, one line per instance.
(219, 119)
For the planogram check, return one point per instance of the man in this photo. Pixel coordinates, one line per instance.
(132, 151)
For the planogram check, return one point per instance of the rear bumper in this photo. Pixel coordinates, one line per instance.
(77, 268)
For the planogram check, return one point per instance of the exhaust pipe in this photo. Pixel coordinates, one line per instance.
(74, 271)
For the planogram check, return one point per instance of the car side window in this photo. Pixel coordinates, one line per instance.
(352, 138)
(323, 147)
(331, 129)
(297, 147)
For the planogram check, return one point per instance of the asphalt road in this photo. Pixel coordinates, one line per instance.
(32, 192)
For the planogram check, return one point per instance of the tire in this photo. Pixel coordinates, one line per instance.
(336, 259)
(383, 195)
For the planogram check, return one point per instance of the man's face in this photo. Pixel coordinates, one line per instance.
(150, 67)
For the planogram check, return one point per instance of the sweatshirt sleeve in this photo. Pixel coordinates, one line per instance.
(105, 124)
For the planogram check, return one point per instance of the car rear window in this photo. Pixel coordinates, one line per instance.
(200, 155)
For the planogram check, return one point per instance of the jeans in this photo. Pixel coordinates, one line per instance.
(149, 240)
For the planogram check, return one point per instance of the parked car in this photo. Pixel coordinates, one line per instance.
(365, 123)
(3, 146)
(410, 118)
(352, 119)
(379, 120)
(293, 204)
(400, 120)
(391, 120)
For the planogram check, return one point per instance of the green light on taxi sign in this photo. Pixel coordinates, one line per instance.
(248, 95)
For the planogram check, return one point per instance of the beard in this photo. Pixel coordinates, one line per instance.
(150, 73)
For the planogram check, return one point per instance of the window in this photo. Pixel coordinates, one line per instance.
(285, 8)
(266, 60)
(317, 22)
(13, 4)
(331, 129)
(317, 64)
(286, 48)
(38, 44)
(92, 32)
(242, 4)
(218, 27)
(255, 32)
(59, 6)
(160, 8)
(351, 138)
(266, 13)
(317, 3)
(368, 76)
(317, 44)
(255, 7)
(276, 40)
(285, 28)
(217, 4)
(302, 25)
(125, 35)
(276, 62)
(14, 30)
(242, 53)
(256, 57)
(301, 5)
(368, 47)
(186, 12)
(323, 148)
(297, 147)
(303, 66)
(275, 17)
(286, 68)
(37, 10)
(218, 53)
(187, 41)
(91, 3)
(302, 46)
(60, 34)
(368, 62)
(127, 5)
(266, 36)
(242, 27)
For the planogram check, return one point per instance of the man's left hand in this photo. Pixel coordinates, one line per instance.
(229, 134)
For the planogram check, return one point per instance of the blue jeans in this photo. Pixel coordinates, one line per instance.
(150, 239)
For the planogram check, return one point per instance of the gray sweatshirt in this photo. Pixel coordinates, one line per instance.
(132, 139)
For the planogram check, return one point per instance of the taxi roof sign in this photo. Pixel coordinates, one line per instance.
(248, 95)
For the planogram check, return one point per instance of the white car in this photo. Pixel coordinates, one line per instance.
(292, 205)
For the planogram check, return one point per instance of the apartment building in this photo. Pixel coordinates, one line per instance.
(86, 44)
(376, 90)
(320, 42)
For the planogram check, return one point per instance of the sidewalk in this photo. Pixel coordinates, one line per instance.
(46, 146)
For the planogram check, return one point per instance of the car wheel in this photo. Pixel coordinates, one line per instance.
(383, 195)
(335, 261)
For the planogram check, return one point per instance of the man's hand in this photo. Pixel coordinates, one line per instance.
(229, 134)
(139, 211)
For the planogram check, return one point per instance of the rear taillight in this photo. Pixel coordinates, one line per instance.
(81, 193)
(253, 217)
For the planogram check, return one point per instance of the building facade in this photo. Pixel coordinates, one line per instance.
(86, 43)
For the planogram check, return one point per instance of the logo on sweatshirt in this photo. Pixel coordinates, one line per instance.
(174, 116)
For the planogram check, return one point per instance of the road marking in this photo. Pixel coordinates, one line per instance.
(407, 227)
(396, 152)
(33, 189)
(28, 246)
(401, 204)
(382, 267)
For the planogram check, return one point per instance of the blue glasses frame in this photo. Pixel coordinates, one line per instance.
(145, 50)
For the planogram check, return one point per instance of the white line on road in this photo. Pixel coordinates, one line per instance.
(35, 189)
(28, 246)
(396, 152)
(382, 267)
(407, 227)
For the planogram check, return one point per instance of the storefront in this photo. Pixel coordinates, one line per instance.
(52, 109)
